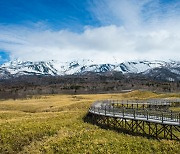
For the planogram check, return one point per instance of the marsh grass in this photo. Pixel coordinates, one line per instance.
(176, 109)
(54, 124)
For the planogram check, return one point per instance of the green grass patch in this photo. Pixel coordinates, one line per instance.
(54, 124)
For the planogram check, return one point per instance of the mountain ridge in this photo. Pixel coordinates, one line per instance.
(168, 70)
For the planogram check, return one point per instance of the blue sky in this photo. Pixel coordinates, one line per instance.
(76, 29)
(58, 14)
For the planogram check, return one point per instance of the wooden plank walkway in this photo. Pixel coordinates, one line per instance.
(134, 112)
(135, 116)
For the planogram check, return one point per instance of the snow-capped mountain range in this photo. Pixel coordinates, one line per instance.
(170, 70)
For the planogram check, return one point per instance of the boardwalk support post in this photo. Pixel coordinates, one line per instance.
(142, 121)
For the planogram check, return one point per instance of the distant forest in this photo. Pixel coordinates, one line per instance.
(112, 82)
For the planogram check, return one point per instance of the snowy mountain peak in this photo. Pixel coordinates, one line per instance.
(17, 68)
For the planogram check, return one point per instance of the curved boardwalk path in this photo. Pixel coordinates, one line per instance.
(150, 118)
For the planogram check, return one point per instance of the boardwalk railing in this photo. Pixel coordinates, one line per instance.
(153, 116)
(160, 102)
(162, 121)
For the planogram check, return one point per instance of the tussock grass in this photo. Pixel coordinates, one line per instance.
(54, 124)
(176, 109)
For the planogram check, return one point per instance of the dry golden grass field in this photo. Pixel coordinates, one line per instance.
(54, 124)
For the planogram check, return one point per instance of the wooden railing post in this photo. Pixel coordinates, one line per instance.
(113, 110)
(105, 109)
(134, 113)
(123, 112)
(147, 115)
(162, 117)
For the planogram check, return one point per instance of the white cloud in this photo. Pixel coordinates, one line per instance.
(131, 35)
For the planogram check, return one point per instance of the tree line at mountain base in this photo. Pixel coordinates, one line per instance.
(26, 86)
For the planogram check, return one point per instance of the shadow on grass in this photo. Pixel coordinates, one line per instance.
(111, 125)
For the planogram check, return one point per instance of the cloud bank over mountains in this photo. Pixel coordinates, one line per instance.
(129, 30)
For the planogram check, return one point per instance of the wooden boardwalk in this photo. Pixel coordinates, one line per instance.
(138, 117)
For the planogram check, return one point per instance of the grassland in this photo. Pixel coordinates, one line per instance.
(54, 124)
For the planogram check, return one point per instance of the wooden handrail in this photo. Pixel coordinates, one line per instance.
(137, 113)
